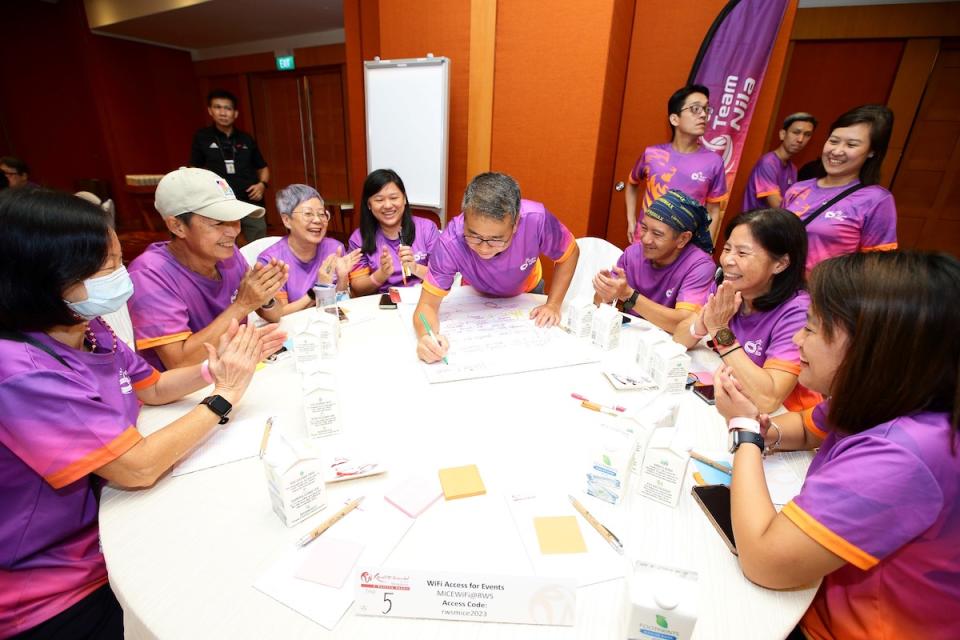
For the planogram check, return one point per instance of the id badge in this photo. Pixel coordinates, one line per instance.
(231, 167)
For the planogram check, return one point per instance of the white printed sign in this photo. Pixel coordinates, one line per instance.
(476, 598)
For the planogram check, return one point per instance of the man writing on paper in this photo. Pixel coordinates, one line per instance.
(666, 276)
(774, 172)
(188, 290)
(495, 243)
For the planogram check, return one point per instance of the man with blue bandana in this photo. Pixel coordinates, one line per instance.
(665, 277)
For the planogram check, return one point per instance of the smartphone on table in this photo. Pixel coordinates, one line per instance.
(704, 392)
(386, 302)
(714, 499)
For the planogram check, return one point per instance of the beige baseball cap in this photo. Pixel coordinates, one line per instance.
(192, 190)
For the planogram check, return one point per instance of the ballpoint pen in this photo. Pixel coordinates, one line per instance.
(334, 519)
(611, 539)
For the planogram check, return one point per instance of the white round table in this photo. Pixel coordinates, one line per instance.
(183, 555)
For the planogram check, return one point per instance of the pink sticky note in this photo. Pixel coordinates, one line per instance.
(705, 377)
(414, 495)
(329, 561)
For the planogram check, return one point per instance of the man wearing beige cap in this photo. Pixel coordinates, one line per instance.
(188, 290)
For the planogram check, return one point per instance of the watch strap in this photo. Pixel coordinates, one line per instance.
(631, 302)
(742, 437)
(219, 405)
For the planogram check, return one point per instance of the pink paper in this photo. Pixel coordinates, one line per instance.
(705, 377)
(414, 495)
(329, 561)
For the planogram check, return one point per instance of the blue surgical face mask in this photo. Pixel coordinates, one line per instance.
(105, 294)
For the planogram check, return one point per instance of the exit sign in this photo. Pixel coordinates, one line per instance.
(285, 63)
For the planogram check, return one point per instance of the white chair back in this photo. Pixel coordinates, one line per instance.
(595, 254)
(122, 325)
(252, 250)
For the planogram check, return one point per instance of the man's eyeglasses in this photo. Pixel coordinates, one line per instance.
(697, 109)
(315, 214)
(493, 243)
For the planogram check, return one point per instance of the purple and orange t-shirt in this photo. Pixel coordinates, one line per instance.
(866, 220)
(58, 426)
(170, 302)
(887, 501)
(660, 168)
(426, 235)
(682, 284)
(770, 176)
(767, 339)
(513, 271)
(303, 275)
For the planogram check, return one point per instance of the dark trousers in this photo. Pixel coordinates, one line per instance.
(96, 617)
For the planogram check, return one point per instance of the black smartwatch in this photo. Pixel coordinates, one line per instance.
(631, 302)
(219, 405)
(738, 437)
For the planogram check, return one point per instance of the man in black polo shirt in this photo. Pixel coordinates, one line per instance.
(233, 155)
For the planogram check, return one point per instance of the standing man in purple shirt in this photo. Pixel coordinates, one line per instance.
(188, 290)
(680, 164)
(774, 173)
(666, 276)
(496, 244)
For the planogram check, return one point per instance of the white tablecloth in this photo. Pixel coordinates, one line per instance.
(184, 554)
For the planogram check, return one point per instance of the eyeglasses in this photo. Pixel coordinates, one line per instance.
(697, 109)
(493, 243)
(314, 214)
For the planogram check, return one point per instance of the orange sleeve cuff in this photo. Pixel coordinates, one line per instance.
(149, 381)
(782, 365)
(567, 251)
(149, 343)
(358, 273)
(715, 199)
(890, 246)
(809, 425)
(828, 539)
(95, 459)
(437, 291)
(687, 306)
(768, 192)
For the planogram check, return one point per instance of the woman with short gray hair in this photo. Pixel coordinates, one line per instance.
(312, 256)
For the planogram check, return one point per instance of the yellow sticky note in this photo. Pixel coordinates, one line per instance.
(559, 534)
(461, 482)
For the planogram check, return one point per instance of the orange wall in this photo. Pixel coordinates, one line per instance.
(827, 78)
(413, 28)
(666, 38)
(548, 107)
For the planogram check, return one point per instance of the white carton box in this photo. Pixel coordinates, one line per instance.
(606, 327)
(669, 366)
(294, 479)
(321, 404)
(646, 341)
(662, 603)
(315, 345)
(579, 318)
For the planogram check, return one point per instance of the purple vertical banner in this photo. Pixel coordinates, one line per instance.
(731, 63)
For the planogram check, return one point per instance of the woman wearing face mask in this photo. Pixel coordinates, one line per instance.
(71, 393)
(878, 517)
(864, 216)
(395, 244)
(753, 315)
(313, 257)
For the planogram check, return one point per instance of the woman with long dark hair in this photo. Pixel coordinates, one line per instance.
(865, 217)
(878, 518)
(395, 244)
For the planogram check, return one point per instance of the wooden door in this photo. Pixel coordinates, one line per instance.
(327, 134)
(281, 134)
(927, 182)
